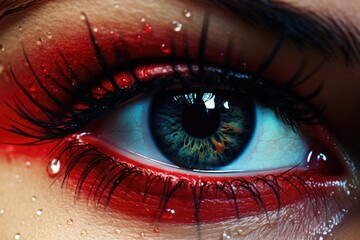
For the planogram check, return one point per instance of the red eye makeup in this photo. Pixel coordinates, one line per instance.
(173, 134)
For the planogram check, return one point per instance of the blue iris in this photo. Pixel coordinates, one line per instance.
(202, 130)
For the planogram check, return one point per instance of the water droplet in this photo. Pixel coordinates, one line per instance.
(17, 236)
(143, 20)
(83, 233)
(54, 167)
(177, 26)
(111, 32)
(2, 47)
(17, 176)
(49, 35)
(82, 17)
(187, 13)
(168, 214)
(20, 28)
(243, 231)
(39, 212)
(147, 28)
(27, 163)
(32, 89)
(59, 225)
(2, 211)
(116, 5)
(39, 41)
(227, 235)
(142, 234)
(95, 29)
(156, 230)
(117, 231)
(165, 49)
(70, 222)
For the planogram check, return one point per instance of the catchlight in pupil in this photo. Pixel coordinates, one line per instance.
(202, 130)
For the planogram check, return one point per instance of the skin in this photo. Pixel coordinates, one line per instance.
(23, 177)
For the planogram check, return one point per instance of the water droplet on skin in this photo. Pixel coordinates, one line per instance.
(187, 13)
(156, 230)
(39, 41)
(168, 214)
(54, 167)
(32, 89)
(2, 47)
(243, 232)
(17, 236)
(2, 211)
(95, 29)
(142, 19)
(116, 5)
(59, 225)
(39, 212)
(165, 49)
(20, 28)
(147, 28)
(49, 35)
(27, 163)
(177, 26)
(227, 235)
(117, 231)
(83, 233)
(82, 17)
(142, 234)
(17, 177)
(69, 221)
(111, 32)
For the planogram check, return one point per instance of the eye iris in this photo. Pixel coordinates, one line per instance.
(200, 130)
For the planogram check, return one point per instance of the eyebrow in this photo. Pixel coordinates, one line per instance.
(331, 36)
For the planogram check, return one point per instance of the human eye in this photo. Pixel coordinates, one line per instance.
(189, 126)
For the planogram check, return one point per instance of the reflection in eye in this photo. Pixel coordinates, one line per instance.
(243, 116)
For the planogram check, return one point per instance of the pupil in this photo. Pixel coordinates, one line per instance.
(199, 121)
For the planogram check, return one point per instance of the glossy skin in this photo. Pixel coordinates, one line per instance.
(24, 175)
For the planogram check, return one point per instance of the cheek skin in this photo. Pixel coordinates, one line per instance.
(62, 218)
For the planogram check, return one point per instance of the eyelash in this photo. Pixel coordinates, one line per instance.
(75, 151)
(291, 108)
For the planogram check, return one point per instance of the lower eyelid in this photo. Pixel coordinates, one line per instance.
(170, 196)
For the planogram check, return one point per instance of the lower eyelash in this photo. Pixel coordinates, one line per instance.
(98, 176)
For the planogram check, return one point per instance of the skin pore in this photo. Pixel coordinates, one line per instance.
(36, 207)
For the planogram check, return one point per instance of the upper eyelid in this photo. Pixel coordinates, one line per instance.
(8, 8)
(333, 37)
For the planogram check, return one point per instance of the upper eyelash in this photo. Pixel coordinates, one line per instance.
(291, 108)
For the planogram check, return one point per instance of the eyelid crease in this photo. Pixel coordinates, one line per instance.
(8, 8)
(309, 29)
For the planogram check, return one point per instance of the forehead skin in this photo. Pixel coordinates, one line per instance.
(343, 113)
